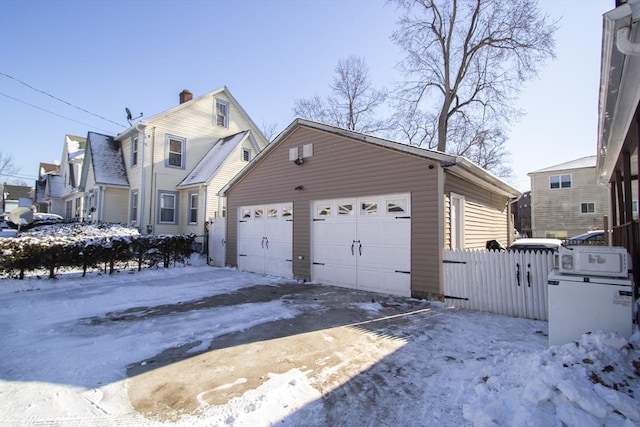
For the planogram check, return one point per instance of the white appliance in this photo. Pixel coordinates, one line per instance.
(595, 296)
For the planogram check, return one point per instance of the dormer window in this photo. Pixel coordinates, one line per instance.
(222, 113)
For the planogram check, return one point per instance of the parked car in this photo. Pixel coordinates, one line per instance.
(535, 244)
(595, 237)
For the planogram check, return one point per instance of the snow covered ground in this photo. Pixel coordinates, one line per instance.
(60, 364)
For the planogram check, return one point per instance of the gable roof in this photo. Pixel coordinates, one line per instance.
(583, 162)
(223, 89)
(456, 165)
(47, 168)
(213, 160)
(15, 192)
(104, 155)
(74, 146)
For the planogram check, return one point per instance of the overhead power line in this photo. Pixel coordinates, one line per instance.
(51, 112)
(61, 100)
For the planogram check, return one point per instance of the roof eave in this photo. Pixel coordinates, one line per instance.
(468, 170)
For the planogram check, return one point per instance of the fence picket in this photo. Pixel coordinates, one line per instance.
(486, 281)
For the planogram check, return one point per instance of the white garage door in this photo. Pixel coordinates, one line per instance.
(363, 243)
(265, 239)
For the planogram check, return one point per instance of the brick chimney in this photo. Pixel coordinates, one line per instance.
(185, 96)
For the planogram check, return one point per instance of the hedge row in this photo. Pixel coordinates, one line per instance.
(28, 254)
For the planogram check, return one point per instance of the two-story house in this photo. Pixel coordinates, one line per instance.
(171, 165)
(71, 199)
(44, 171)
(567, 199)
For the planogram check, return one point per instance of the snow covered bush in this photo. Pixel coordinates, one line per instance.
(76, 245)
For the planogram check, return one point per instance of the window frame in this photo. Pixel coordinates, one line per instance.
(218, 101)
(586, 205)
(134, 151)
(133, 217)
(457, 221)
(560, 183)
(193, 209)
(168, 152)
(159, 207)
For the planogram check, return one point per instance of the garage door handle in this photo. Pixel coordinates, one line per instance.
(359, 247)
(262, 243)
(267, 243)
(352, 243)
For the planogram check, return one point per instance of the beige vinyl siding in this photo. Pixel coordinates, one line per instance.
(559, 209)
(342, 167)
(485, 214)
(115, 205)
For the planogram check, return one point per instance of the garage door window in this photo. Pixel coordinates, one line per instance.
(287, 212)
(368, 208)
(272, 212)
(246, 213)
(345, 209)
(323, 210)
(396, 206)
(258, 213)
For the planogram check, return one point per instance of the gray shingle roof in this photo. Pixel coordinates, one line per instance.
(107, 160)
(584, 162)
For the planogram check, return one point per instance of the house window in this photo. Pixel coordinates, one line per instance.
(134, 151)
(556, 234)
(246, 154)
(78, 207)
(587, 208)
(634, 206)
(68, 209)
(167, 207)
(456, 220)
(134, 207)
(175, 152)
(560, 181)
(193, 208)
(222, 113)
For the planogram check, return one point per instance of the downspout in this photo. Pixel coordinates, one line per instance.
(142, 177)
(100, 202)
(624, 45)
(153, 180)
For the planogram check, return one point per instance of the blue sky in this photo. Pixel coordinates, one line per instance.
(105, 55)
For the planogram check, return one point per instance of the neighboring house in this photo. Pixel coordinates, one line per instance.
(72, 158)
(521, 210)
(14, 196)
(104, 180)
(53, 190)
(326, 204)
(619, 125)
(44, 170)
(567, 199)
(177, 161)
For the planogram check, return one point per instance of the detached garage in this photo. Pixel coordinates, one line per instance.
(333, 206)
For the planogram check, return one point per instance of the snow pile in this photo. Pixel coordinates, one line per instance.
(77, 231)
(590, 382)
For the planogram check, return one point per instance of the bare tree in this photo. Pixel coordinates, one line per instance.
(269, 130)
(7, 167)
(353, 102)
(465, 63)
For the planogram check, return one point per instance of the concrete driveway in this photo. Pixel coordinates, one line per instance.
(335, 337)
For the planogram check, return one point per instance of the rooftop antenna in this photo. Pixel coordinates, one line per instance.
(129, 118)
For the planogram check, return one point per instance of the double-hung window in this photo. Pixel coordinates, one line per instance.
(193, 208)
(560, 181)
(175, 152)
(134, 207)
(134, 151)
(588, 207)
(222, 113)
(167, 207)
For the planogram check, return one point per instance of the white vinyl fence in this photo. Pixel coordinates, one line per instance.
(217, 241)
(512, 283)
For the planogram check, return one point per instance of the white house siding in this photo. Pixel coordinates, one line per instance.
(559, 210)
(90, 186)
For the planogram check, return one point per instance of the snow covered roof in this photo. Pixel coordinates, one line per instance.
(15, 192)
(107, 160)
(584, 162)
(212, 161)
(47, 168)
(75, 146)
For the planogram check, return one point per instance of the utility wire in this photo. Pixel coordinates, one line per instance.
(61, 100)
(55, 114)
